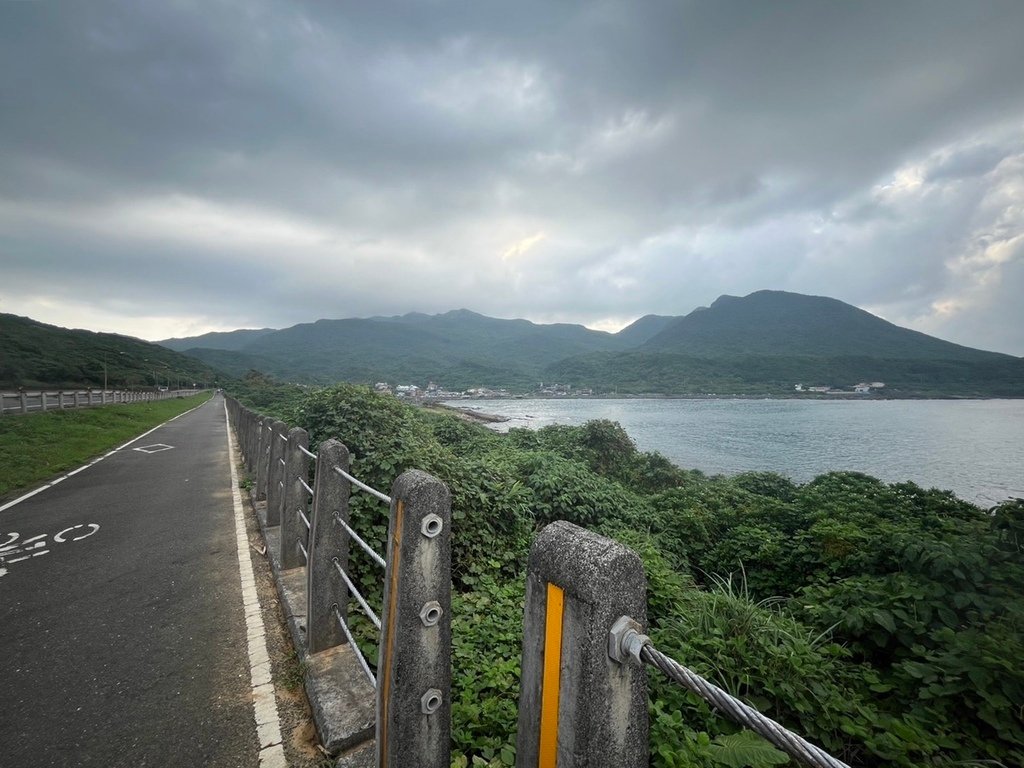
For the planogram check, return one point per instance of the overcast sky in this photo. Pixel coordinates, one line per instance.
(172, 168)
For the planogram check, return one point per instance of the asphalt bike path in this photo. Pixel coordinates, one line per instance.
(122, 627)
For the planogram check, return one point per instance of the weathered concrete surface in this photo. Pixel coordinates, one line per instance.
(293, 498)
(340, 697)
(291, 585)
(324, 587)
(415, 655)
(364, 756)
(602, 707)
(262, 461)
(275, 472)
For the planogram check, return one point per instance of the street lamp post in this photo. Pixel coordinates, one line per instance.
(105, 352)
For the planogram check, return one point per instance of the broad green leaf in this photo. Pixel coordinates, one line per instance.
(745, 750)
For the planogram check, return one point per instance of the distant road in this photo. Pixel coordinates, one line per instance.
(122, 629)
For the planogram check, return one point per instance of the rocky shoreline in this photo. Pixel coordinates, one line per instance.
(468, 414)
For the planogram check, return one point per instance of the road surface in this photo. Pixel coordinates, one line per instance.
(122, 627)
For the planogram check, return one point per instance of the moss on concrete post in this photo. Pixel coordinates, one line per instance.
(294, 500)
(328, 542)
(577, 707)
(414, 669)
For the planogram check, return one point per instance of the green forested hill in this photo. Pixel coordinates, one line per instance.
(230, 340)
(35, 354)
(764, 343)
(771, 340)
(459, 349)
(774, 323)
(644, 329)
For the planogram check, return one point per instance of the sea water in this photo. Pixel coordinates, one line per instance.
(973, 447)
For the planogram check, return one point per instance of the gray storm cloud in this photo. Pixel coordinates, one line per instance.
(172, 168)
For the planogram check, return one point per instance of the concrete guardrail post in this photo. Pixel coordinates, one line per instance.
(577, 707)
(294, 534)
(328, 542)
(244, 419)
(42, 400)
(414, 707)
(275, 472)
(243, 425)
(24, 402)
(262, 458)
(252, 457)
(240, 416)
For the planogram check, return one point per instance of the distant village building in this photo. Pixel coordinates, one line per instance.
(382, 386)
(862, 389)
(819, 389)
(555, 389)
(799, 387)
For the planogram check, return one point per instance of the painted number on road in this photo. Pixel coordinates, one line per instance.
(14, 549)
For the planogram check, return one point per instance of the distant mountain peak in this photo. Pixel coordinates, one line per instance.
(774, 323)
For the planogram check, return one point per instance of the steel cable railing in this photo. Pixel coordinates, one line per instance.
(362, 486)
(371, 615)
(627, 642)
(377, 558)
(352, 644)
(414, 611)
(359, 540)
(299, 484)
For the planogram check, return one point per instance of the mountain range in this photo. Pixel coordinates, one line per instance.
(765, 342)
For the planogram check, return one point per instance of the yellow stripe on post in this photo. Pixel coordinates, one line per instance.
(548, 757)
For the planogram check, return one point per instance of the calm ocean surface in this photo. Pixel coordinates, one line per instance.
(972, 447)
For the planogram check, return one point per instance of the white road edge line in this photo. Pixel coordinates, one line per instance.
(52, 483)
(264, 699)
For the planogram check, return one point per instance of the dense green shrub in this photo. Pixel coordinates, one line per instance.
(884, 622)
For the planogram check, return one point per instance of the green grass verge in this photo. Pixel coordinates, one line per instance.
(37, 446)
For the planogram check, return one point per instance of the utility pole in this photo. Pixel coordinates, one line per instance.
(105, 352)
